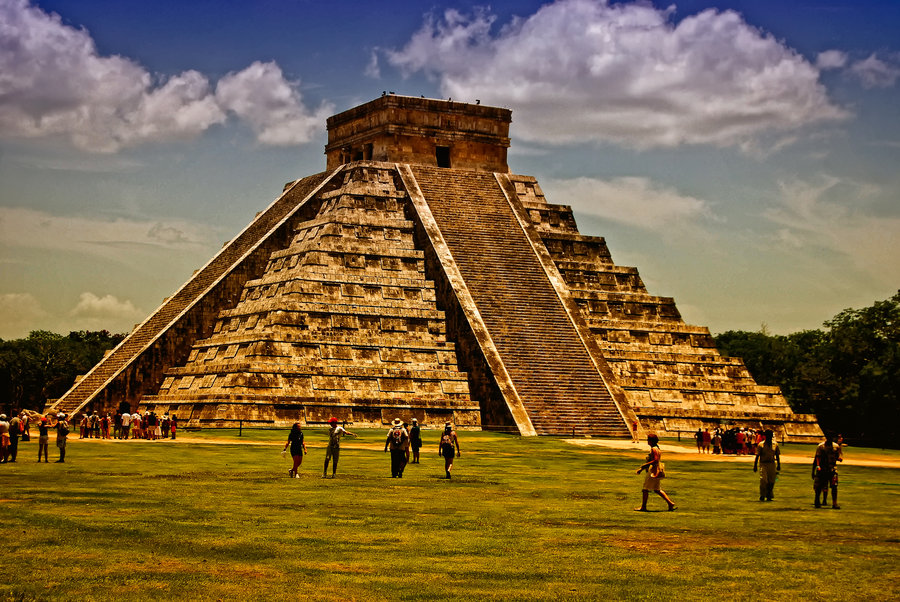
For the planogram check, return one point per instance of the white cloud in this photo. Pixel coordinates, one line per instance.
(271, 105)
(831, 59)
(108, 308)
(53, 82)
(874, 72)
(624, 73)
(633, 201)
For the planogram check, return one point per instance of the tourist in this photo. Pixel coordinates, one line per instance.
(166, 425)
(717, 443)
(104, 425)
(4, 439)
(126, 425)
(136, 426)
(655, 472)
(698, 436)
(446, 448)
(25, 426)
(415, 440)
(298, 448)
(707, 439)
(95, 426)
(62, 431)
(634, 431)
(824, 472)
(397, 440)
(14, 432)
(173, 426)
(740, 436)
(333, 451)
(43, 438)
(768, 460)
(83, 426)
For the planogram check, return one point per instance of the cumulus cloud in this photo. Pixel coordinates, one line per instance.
(270, 104)
(53, 82)
(874, 72)
(632, 201)
(623, 73)
(831, 59)
(106, 307)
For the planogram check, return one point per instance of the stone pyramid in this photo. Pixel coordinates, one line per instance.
(418, 278)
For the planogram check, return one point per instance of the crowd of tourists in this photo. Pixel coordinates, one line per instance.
(19, 427)
(739, 441)
(123, 425)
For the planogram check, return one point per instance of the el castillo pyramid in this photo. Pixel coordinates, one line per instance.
(417, 277)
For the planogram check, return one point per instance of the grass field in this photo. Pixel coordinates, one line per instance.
(522, 519)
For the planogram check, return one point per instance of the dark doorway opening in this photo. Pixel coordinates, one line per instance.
(442, 154)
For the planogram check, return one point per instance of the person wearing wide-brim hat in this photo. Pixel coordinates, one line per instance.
(397, 441)
(446, 447)
(333, 450)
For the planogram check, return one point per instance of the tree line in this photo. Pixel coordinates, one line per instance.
(847, 373)
(45, 364)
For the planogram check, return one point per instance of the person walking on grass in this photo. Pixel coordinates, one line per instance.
(768, 461)
(43, 438)
(62, 431)
(655, 472)
(298, 448)
(397, 440)
(415, 440)
(446, 447)
(824, 470)
(4, 439)
(333, 451)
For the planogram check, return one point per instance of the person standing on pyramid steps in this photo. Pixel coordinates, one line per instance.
(298, 448)
(333, 451)
(446, 447)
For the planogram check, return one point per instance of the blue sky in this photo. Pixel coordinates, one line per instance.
(743, 155)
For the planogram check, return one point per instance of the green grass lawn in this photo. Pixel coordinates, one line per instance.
(522, 519)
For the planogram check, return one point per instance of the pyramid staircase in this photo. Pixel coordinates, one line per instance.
(671, 372)
(553, 374)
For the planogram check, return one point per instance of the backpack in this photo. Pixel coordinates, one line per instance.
(446, 439)
(397, 436)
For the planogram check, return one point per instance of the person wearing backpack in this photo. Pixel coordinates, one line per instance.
(62, 431)
(446, 447)
(397, 440)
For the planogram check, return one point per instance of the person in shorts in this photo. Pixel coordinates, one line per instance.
(298, 448)
(446, 448)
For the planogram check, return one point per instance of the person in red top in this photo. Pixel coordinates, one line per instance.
(655, 472)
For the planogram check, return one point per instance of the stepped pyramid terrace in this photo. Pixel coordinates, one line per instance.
(418, 277)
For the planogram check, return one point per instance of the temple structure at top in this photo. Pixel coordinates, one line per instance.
(417, 277)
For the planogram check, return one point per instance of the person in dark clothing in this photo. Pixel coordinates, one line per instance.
(298, 448)
(397, 441)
